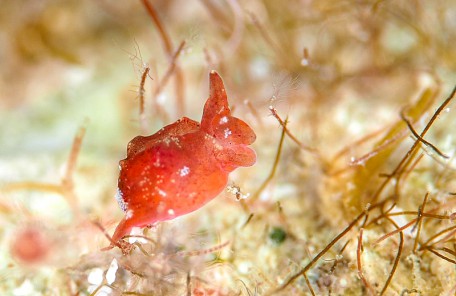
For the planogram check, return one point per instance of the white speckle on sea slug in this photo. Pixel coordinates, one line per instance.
(227, 132)
(184, 171)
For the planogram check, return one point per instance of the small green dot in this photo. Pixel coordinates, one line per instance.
(277, 235)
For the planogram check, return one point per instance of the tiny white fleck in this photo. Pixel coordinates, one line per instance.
(129, 214)
(171, 212)
(184, 171)
(167, 140)
(162, 192)
(176, 141)
(157, 163)
(223, 120)
(304, 62)
(227, 132)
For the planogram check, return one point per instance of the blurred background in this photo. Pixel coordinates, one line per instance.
(340, 71)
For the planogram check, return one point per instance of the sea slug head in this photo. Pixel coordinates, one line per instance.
(231, 133)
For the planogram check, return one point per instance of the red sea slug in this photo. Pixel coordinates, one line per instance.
(184, 165)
